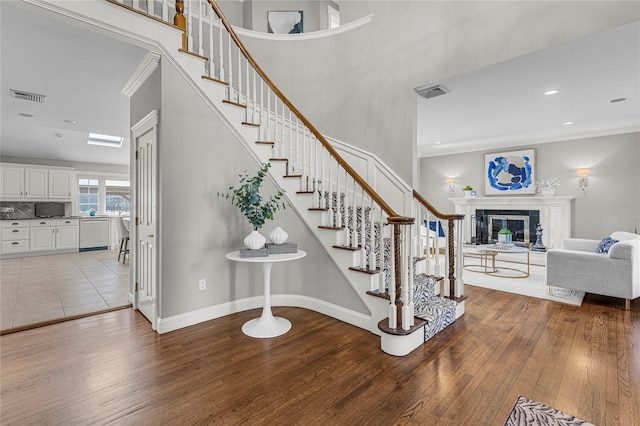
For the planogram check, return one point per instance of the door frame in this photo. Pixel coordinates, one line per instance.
(149, 123)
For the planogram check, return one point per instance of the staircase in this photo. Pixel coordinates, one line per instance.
(390, 259)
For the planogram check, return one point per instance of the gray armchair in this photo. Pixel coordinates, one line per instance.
(577, 266)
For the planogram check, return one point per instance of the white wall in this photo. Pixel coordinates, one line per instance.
(610, 203)
(314, 13)
(358, 86)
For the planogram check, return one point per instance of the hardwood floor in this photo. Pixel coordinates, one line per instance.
(113, 369)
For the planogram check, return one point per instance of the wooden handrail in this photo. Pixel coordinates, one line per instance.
(433, 210)
(393, 216)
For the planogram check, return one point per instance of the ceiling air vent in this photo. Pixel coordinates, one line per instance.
(432, 91)
(26, 96)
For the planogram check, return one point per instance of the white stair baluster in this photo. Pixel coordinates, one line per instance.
(221, 75)
(230, 96)
(188, 5)
(239, 76)
(165, 10)
(200, 26)
(212, 66)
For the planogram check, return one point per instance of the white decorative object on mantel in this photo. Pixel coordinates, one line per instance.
(555, 213)
(278, 236)
(255, 240)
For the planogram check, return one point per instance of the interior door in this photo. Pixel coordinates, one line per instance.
(145, 135)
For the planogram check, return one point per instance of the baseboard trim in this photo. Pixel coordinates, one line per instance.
(165, 325)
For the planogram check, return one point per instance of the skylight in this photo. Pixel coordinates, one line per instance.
(105, 140)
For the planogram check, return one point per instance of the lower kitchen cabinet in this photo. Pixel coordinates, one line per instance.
(40, 236)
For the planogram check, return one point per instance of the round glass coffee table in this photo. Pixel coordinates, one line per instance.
(490, 251)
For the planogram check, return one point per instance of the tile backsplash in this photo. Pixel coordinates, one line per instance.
(21, 210)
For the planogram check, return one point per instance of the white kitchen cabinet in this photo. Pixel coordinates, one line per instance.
(36, 183)
(55, 234)
(15, 236)
(67, 237)
(12, 185)
(43, 238)
(60, 184)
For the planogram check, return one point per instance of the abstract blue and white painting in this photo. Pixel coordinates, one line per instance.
(510, 172)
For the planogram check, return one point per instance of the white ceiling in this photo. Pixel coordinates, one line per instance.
(503, 105)
(82, 74)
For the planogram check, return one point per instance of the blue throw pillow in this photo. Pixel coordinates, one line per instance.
(605, 245)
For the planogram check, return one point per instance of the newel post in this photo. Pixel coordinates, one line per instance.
(397, 263)
(452, 263)
(181, 22)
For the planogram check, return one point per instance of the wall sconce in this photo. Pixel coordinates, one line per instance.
(451, 182)
(583, 178)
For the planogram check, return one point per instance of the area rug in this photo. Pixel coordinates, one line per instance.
(527, 412)
(534, 286)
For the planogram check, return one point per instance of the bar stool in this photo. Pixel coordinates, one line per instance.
(123, 235)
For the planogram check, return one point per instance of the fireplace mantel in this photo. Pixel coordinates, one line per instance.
(555, 213)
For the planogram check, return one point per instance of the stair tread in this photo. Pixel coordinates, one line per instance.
(246, 123)
(278, 159)
(265, 143)
(305, 192)
(364, 270)
(292, 176)
(318, 209)
(188, 52)
(224, 101)
(346, 247)
(333, 228)
(215, 80)
(384, 327)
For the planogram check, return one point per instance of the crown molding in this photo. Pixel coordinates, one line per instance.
(140, 75)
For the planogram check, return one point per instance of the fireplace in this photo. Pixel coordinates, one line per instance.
(554, 215)
(521, 223)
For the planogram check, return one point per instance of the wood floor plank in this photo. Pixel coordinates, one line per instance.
(113, 369)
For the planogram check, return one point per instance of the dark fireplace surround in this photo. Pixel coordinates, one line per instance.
(521, 223)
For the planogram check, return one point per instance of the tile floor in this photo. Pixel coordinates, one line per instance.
(44, 288)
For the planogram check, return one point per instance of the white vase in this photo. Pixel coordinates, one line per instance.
(278, 236)
(548, 192)
(254, 240)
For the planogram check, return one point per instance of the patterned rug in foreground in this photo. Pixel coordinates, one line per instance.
(531, 413)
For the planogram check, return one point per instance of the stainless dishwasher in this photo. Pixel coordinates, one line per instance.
(94, 233)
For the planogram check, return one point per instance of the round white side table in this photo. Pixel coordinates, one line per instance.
(266, 325)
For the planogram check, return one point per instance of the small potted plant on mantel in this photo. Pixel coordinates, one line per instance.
(257, 210)
(504, 236)
(467, 190)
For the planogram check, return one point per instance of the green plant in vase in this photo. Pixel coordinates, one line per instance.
(505, 236)
(246, 196)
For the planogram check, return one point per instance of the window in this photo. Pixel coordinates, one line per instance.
(334, 17)
(88, 195)
(117, 196)
(108, 195)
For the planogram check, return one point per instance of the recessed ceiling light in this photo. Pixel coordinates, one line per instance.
(438, 142)
(618, 100)
(24, 114)
(567, 123)
(57, 135)
(70, 121)
(105, 140)
(551, 92)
